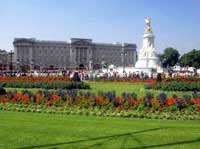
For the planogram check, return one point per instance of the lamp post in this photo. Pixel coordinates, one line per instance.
(123, 54)
(11, 62)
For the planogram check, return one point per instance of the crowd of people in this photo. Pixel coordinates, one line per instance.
(84, 74)
(92, 75)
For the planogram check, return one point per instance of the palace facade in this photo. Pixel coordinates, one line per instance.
(30, 53)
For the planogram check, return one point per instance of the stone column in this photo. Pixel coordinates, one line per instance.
(72, 56)
(79, 55)
(17, 64)
(15, 54)
(31, 61)
(87, 56)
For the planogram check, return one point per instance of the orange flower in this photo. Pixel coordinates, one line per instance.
(140, 99)
(170, 101)
(39, 97)
(25, 98)
(100, 100)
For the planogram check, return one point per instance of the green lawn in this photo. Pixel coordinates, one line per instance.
(128, 88)
(120, 88)
(33, 130)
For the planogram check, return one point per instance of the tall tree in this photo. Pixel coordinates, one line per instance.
(191, 59)
(170, 57)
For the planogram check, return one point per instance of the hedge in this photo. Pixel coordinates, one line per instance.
(46, 85)
(174, 86)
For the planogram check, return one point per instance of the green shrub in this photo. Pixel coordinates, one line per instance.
(46, 85)
(2, 91)
(175, 86)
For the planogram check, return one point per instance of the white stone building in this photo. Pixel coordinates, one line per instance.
(5, 60)
(30, 53)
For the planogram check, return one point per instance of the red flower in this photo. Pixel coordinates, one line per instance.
(197, 107)
(78, 98)
(131, 101)
(16, 95)
(195, 100)
(55, 97)
(185, 104)
(120, 106)
(47, 102)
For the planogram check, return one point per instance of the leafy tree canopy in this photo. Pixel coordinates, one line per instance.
(191, 59)
(170, 57)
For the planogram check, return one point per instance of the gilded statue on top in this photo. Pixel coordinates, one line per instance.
(148, 25)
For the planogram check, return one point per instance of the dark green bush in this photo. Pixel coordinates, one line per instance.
(46, 85)
(2, 91)
(175, 86)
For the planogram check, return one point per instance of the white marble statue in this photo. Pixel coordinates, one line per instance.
(147, 57)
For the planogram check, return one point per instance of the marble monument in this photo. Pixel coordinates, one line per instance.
(148, 58)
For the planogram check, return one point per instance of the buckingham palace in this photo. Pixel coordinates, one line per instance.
(31, 53)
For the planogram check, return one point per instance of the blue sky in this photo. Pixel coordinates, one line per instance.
(175, 23)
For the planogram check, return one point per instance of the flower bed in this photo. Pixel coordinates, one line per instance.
(35, 79)
(183, 79)
(66, 110)
(174, 86)
(126, 80)
(127, 103)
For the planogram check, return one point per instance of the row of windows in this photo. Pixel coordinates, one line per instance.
(50, 47)
(60, 50)
(43, 61)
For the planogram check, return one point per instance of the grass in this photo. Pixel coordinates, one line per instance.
(120, 88)
(127, 87)
(33, 130)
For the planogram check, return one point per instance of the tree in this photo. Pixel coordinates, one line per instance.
(170, 57)
(191, 59)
